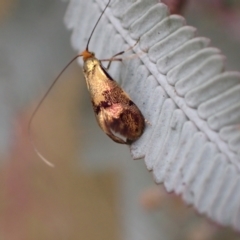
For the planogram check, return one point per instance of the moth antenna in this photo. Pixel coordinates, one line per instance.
(41, 156)
(37, 108)
(89, 39)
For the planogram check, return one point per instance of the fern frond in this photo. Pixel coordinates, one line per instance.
(181, 86)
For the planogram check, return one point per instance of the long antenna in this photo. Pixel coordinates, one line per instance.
(83, 54)
(38, 106)
(96, 24)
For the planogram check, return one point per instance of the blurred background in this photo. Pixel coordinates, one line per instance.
(96, 191)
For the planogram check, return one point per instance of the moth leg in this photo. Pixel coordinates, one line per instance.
(110, 60)
(147, 122)
(120, 53)
(104, 126)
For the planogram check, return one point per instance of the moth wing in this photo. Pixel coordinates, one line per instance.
(103, 122)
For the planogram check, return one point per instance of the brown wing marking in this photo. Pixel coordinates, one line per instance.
(103, 123)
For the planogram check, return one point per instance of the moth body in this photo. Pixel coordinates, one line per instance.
(115, 112)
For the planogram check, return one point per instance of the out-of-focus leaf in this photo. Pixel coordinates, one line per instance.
(30, 38)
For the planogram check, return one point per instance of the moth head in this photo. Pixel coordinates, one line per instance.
(86, 54)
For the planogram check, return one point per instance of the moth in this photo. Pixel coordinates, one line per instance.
(117, 115)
